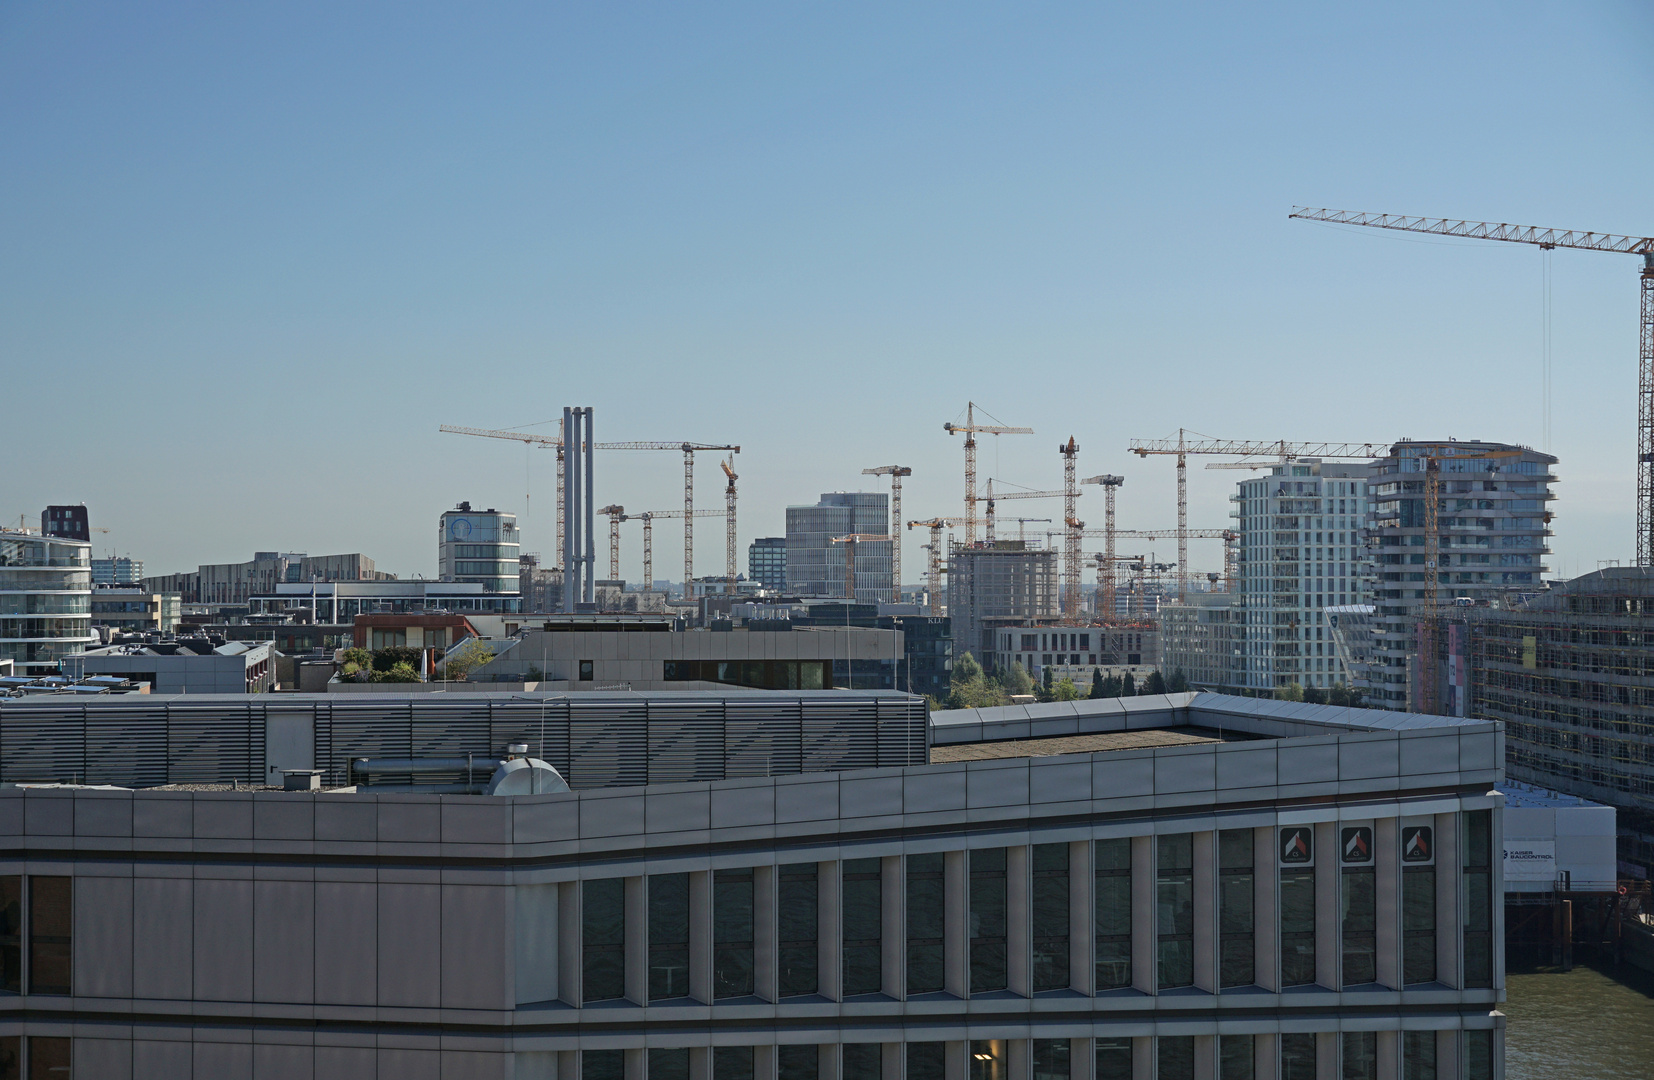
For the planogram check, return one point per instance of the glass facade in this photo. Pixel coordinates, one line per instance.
(481, 546)
(926, 910)
(1175, 909)
(1237, 887)
(987, 896)
(863, 898)
(797, 918)
(1051, 904)
(1111, 898)
(45, 601)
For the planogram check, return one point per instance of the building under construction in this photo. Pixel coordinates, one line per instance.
(1002, 583)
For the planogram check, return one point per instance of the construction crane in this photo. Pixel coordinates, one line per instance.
(688, 449)
(896, 472)
(970, 429)
(1071, 543)
(729, 521)
(1110, 484)
(616, 515)
(1230, 538)
(1022, 531)
(988, 530)
(1235, 448)
(933, 563)
(1105, 564)
(850, 543)
(648, 520)
(1550, 239)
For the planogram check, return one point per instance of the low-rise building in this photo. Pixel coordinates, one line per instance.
(132, 610)
(182, 666)
(342, 601)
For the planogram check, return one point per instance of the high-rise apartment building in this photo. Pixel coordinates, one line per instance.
(815, 566)
(998, 585)
(767, 562)
(1301, 552)
(117, 570)
(45, 600)
(479, 546)
(1491, 524)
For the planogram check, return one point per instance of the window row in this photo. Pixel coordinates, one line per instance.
(1354, 1055)
(1213, 911)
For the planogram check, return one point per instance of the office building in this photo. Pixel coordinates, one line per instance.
(190, 666)
(45, 599)
(767, 562)
(763, 886)
(338, 602)
(117, 570)
(66, 522)
(479, 546)
(221, 585)
(1077, 653)
(135, 611)
(1004, 583)
(1301, 552)
(1491, 528)
(815, 566)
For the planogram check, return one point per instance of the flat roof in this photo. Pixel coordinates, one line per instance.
(1081, 744)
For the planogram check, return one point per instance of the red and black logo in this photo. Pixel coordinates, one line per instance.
(1418, 844)
(1297, 845)
(1358, 844)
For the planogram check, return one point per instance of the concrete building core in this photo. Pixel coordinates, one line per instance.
(1005, 583)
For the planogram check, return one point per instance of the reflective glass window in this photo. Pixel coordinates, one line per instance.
(797, 910)
(863, 928)
(925, 917)
(668, 936)
(1050, 914)
(603, 939)
(1297, 926)
(1111, 898)
(1236, 904)
(987, 895)
(732, 949)
(1175, 908)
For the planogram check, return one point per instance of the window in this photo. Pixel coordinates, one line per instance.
(732, 953)
(1177, 1057)
(1297, 928)
(798, 1062)
(1050, 1059)
(863, 929)
(987, 1059)
(926, 1061)
(1360, 1055)
(1112, 909)
(797, 920)
(1050, 916)
(1418, 924)
(732, 1063)
(585, 671)
(669, 1063)
(602, 1065)
(1418, 1055)
(51, 916)
(1478, 893)
(1298, 1056)
(11, 934)
(1237, 1057)
(1358, 911)
(862, 1061)
(603, 935)
(1478, 1055)
(1236, 903)
(668, 936)
(925, 916)
(1114, 1059)
(988, 961)
(11, 1057)
(1175, 909)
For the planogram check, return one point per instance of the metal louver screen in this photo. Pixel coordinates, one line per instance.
(126, 747)
(608, 745)
(215, 743)
(762, 739)
(541, 726)
(44, 745)
(686, 742)
(839, 736)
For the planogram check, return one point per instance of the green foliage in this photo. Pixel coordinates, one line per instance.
(389, 657)
(470, 656)
(1178, 683)
(1099, 685)
(1155, 683)
(1290, 692)
(1014, 680)
(360, 657)
(1128, 685)
(1346, 696)
(1065, 690)
(533, 674)
(402, 671)
(1314, 695)
(970, 687)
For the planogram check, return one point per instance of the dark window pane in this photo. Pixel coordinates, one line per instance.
(926, 1061)
(1360, 1055)
(1113, 904)
(1177, 1057)
(1418, 1055)
(1050, 902)
(797, 921)
(732, 951)
(987, 916)
(11, 933)
(48, 1058)
(1235, 849)
(1175, 908)
(603, 935)
(1478, 838)
(925, 919)
(602, 1065)
(11, 1057)
(1418, 924)
(1111, 915)
(987, 1059)
(1297, 928)
(863, 928)
(1051, 1056)
(1298, 1057)
(1238, 961)
(798, 1062)
(1360, 918)
(669, 1063)
(1236, 900)
(668, 936)
(51, 915)
(862, 1061)
(1478, 1055)
(731, 1063)
(1114, 1059)
(1114, 854)
(1237, 1057)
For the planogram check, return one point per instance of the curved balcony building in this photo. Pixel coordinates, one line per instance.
(45, 600)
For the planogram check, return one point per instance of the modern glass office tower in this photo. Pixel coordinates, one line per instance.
(479, 546)
(45, 600)
(763, 886)
(816, 566)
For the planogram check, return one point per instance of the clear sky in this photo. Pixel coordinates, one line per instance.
(251, 256)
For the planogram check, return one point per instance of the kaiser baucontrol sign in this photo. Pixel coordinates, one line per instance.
(1530, 860)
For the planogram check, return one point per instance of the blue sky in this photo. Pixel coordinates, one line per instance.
(255, 255)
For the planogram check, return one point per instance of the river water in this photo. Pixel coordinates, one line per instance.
(1585, 1023)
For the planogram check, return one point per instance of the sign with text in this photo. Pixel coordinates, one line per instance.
(1418, 844)
(1358, 844)
(1298, 846)
(1530, 860)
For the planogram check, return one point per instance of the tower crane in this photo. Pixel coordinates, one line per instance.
(688, 449)
(850, 543)
(729, 521)
(648, 519)
(1022, 531)
(896, 472)
(933, 563)
(988, 532)
(1182, 447)
(1547, 240)
(970, 428)
(1071, 543)
(1110, 484)
(1230, 538)
(616, 514)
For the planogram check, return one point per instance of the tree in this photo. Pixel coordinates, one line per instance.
(353, 663)
(470, 656)
(1290, 692)
(1314, 695)
(1128, 686)
(1179, 683)
(402, 671)
(970, 688)
(1155, 683)
(1065, 690)
(1113, 686)
(1098, 685)
(391, 655)
(1014, 680)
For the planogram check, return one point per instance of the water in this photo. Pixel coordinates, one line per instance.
(1582, 1023)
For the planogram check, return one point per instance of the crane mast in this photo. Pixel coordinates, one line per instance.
(895, 472)
(969, 429)
(1105, 572)
(1071, 540)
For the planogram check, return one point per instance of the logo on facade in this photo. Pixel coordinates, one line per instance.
(1418, 844)
(1358, 844)
(1297, 845)
(460, 528)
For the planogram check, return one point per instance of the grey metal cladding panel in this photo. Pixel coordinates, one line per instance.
(1368, 757)
(870, 796)
(284, 817)
(214, 744)
(126, 745)
(476, 1065)
(1479, 750)
(410, 945)
(476, 820)
(478, 932)
(410, 1064)
(103, 937)
(608, 745)
(284, 924)
(1059, 779)
(933, 789)
(163, 932)
(806, 801)
(223, 815)
(1127, 774)
(1184, 769)
(347, 1063)
(1307, 762)
(105, 1059)
(543, 726)
(347, 943)
(278, 1061)
(410, 819)
(103, 813)
(11, 812)
(1429, 752)
(49, 813)
(224, 1061)
(686, 742)
(347, 818)
(223, 940)
(997, 783)
(545, 819)
(677, 811)
(1245, 765)
(155, 1060)
(621, 814)
(743, 806)
(43, 744)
